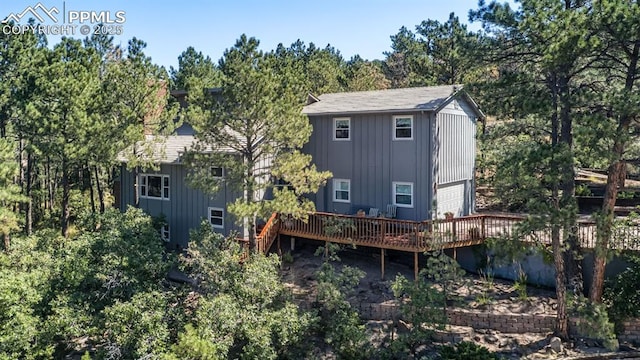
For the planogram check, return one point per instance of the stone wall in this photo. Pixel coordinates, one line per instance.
(506, 323)
(509, 323)
(630, 332)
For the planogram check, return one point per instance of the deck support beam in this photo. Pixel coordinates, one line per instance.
(415, 265)
(382, 263)
(293, 244)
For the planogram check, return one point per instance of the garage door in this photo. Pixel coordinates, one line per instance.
(451, 198)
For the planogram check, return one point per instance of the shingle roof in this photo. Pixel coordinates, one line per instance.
(165, 149)
(428, 98)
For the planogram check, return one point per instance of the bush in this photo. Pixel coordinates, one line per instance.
(466, 350)
(622, 294)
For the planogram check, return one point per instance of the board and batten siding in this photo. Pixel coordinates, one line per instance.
(372, 161)
(186, 207)
(454, 155)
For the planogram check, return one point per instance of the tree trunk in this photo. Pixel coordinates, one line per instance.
(572, 254)
(6, 242)
(50, 188)
(605, 226)
(65, 215)
(29, 205)
(615, 180)
(558, 259)
(562, 323)
(91, 192)
(99, 188)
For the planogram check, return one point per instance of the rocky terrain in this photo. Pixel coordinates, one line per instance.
(474, 293)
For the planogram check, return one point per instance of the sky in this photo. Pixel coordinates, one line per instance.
(353, 27)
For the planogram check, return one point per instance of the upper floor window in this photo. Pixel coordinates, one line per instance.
(403, 127)
(216, 217)
(217, 172)
(341, 129)
(154, 186)
(341, 190)
(403, 194)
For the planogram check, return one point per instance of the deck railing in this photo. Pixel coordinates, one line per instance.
(417, 236)
(268, 234)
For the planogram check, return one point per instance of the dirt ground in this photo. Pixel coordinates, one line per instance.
(299, 277)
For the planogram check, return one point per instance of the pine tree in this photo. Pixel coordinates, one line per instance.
(9, 192)
(255, 130)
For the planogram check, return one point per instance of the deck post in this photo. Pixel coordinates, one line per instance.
(415, 265)
(293, 244)
(382, 262)
(279, 247)
(326, 249)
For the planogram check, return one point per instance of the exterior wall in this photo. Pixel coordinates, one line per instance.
(186, 207)
(454, 158)
(372, 161)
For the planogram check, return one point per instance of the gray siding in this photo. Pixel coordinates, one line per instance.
(186, 207)
(372, 160)
(454, 158)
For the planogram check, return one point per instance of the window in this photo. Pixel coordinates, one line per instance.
(341, 190)
(164, 233)
(403, 194)
(341, 129)
(154, 186)
(403, 127)
(217, 172)
(216, 217)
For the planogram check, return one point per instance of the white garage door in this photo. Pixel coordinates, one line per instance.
(451, 198)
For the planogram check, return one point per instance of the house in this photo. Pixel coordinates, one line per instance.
(164, 193)
(410, 151)
(408, 148)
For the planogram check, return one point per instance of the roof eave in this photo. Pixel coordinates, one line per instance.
(358, 112)
(469, 99)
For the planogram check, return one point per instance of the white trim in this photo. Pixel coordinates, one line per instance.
(221, 217)
(335, 120)
(335, 188)
(394, 124)
(393, 190)
(165, 232)
(164, 185)
(221, 170)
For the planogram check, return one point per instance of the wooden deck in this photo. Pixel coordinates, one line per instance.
(403, 235)
(420, 236)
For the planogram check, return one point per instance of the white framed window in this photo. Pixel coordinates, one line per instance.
(342, 129)
(165, 233)
(154, 186)
(403, 194)
(403, 127)
(342, 190)
(217, 172)
(216, 217)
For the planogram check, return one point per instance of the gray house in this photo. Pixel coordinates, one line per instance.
(407, 148)
(410, 150)
(165, 193)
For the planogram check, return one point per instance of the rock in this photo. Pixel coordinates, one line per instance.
(477, 338)
(491, 339)
(504, 342)
(404, 327)
(481, 331)
(555, 344)
(422, 351)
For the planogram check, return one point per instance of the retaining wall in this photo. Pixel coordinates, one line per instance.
(506, 323)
